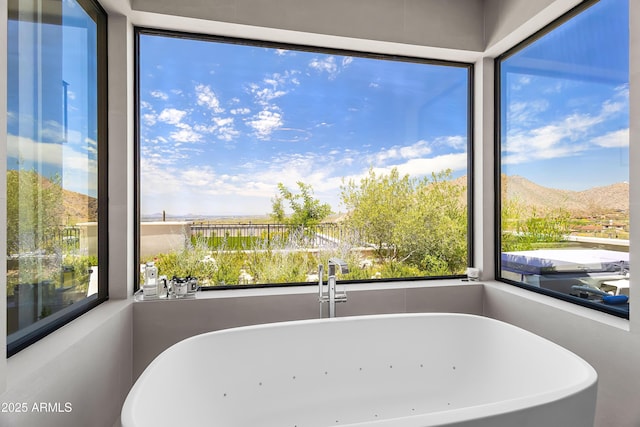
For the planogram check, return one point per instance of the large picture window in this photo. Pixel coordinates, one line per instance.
(564, 159)
(257, 162)
(56, 182)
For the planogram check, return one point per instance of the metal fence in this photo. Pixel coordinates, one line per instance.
(250, 235)
(63, 237)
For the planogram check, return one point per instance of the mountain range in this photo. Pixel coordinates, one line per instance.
(612, 198)
(76, 207)
(608, 199)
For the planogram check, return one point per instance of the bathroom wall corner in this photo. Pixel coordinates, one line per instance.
(121, 157)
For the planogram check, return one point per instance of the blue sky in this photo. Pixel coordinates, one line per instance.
(38, 137)
(222, 123)
(566, 103)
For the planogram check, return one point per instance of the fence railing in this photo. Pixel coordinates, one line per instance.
(251, 235)
(63, 237)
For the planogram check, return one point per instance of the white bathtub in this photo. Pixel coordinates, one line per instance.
(392, 370)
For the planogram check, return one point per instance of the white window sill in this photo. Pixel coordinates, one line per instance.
(313, 289)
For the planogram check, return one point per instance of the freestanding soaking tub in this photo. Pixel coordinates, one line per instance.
(404, 370)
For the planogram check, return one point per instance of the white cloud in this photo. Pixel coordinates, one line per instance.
(227, 133)
(242, 111)
(615, 139)
(159, 180)
(563, 137)
(457, 142)
(146, 105)
(253, 184)
(330, 65)
(264, 95)
(325, 65)
(426, 166)
(186, 134)
(29, 150)
(525, 113)
(520, 82)
(149, 119)
(622, 91)
(285, 134)
(172, 116)
(546, 142)
(265, 122)
(205, 128)
(223, 121)
(92, 146)
(160, 95)
(204, 176)
(80, 170)
(611, 107)
(207, 97)
(419, 149)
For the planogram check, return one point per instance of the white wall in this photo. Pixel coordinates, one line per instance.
(121, 139)
(506, 20)
(86, 364)
(163, 237)
(602, 340)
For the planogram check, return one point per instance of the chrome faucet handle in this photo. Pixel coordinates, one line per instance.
(341, 296)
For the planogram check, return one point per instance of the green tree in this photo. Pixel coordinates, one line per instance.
(420, 222)
(375, 204)
(529, 228)
(307, 210)
(433, 234)
(34, 211)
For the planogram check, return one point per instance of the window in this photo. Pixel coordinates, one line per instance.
(564, 159)
(258, 161)
(56, 179)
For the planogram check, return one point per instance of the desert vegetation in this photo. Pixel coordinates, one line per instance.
(41, 246)
(396, 227)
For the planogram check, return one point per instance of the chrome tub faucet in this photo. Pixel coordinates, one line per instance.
(331, 294)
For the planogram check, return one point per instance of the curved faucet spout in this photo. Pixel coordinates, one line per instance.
(341, 264)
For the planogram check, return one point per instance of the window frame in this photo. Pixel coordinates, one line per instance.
(57, 320)
(142, 30)
(558, 22)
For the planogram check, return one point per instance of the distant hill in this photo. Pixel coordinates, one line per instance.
(610, 199)
(77, 207)
(594, 201)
